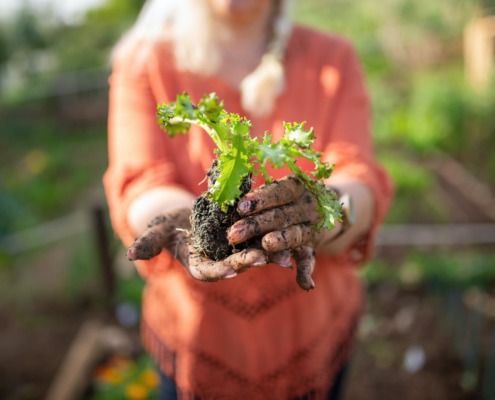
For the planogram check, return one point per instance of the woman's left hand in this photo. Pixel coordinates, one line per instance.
(284, 214)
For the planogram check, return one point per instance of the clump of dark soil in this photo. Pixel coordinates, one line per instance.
(209, 223)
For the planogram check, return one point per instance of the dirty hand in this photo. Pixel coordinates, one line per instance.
(171, 232)
(283, 213)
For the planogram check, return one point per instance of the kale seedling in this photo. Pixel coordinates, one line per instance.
(236, 156)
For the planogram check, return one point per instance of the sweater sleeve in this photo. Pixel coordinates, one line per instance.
(139, 156)
(350, 148)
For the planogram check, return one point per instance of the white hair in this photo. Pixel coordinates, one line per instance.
(175, 20)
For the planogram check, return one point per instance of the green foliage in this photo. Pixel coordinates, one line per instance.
(361, 20)
(28, 30)
(440, 114)
(4, 47)
(88, 44)
(440, 269)
(296, 144)
(437, 114)
(14, 214)
(44, 174)
(418, 200)
(471, 268)
(412, 56)
(237, 152)
(51, 176)
(115, 10)
(229, 132)
(409, 177)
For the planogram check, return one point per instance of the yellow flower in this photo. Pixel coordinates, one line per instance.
(150, 378)
(108, 375)
(136, 391)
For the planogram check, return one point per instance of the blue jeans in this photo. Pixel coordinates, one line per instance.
(168, 388)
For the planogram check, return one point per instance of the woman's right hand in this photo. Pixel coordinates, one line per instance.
(171, 232)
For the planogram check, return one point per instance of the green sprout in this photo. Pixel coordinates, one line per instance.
(237, 152)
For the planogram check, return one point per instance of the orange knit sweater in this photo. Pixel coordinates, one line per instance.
(258, 336)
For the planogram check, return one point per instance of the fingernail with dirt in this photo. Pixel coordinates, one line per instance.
(281, 258)
(260, 263)
(230, 275)
(258, 260)
(235, 233)
(285, 262)
(131, 254)
(244, 207)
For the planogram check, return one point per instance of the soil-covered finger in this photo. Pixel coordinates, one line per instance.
(272, 195)
(207, 270)
(247, 258)
(289, 238)
(271, 220)
(152, 241)
(282, 258)
(162, 232)
(305, 264)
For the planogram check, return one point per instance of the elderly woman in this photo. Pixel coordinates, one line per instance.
(254, 335)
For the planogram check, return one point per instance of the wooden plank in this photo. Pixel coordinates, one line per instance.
(436, 235)
(45, 234)
(479, 37)
(105, 256)
(476, 192)
(94, 340)
(74, 373)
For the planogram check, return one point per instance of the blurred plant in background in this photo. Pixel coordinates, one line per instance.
(120, 378)
(440, 272)
(53, 108)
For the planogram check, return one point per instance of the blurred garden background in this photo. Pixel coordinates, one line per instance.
(429, 326)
